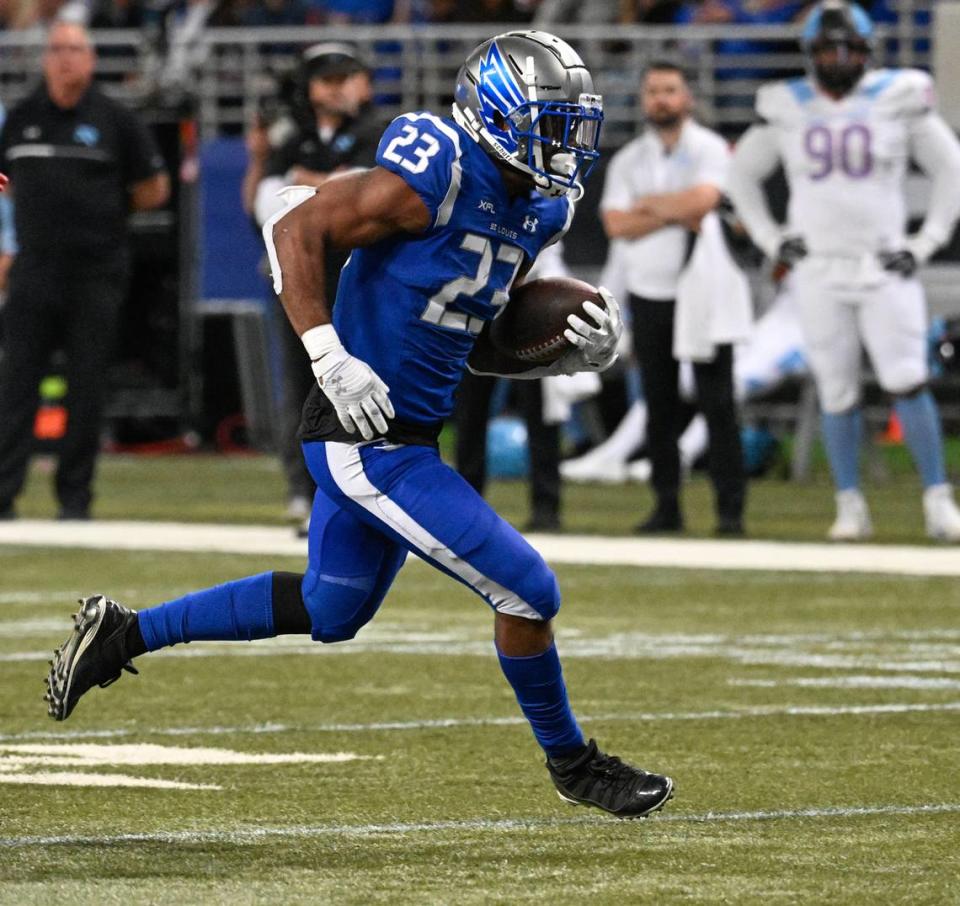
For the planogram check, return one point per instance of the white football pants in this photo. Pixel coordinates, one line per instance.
(887, 314)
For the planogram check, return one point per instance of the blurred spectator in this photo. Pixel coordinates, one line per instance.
(505, 11)
(117, 14)
(276, 12)
(78, 162)
(33, 14)
(356, 12)
(742, 12)
(441, 11)
(658, 193)
(590, 11)
(652, 12)
(333, 130)
(532, 397)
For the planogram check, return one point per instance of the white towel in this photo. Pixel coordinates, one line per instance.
(561, 391)
(713, 298)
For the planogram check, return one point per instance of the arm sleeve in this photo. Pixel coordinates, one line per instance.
(617, 195)
(754, 159)
(424, 151)
(936, 149)
(140, 156)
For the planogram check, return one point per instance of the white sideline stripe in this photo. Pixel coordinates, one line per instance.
(254, 834)
(586, 549)
(346, 469)
(456, 722)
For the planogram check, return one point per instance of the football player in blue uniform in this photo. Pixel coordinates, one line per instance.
(440, 229)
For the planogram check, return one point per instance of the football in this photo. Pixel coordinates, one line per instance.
(531, 326)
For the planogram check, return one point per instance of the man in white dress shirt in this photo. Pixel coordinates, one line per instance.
(658, 188)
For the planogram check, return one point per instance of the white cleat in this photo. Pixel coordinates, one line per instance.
(941, 514)
(585, 469)
(853, 518)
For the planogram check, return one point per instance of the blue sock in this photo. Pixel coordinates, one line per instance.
(538, 684)
(841, 436)
(921, 430)
(234, 611)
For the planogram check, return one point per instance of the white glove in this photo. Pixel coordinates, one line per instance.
(596, 346)
(358, 394)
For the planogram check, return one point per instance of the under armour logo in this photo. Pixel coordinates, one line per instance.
(486, 206)
(530, 223)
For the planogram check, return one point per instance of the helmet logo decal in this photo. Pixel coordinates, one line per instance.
(495, 78)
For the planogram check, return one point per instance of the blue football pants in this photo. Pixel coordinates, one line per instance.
(377, 501)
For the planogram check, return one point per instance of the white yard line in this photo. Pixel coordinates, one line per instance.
(244, 835)
(456, 722)
(585, 549)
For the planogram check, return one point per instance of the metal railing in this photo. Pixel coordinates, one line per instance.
(229, 73)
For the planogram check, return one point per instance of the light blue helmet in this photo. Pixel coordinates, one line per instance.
(527, 99)
(836, 24)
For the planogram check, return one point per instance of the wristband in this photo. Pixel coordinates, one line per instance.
(320, 340)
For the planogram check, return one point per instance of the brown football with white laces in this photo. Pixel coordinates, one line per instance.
(530, 328)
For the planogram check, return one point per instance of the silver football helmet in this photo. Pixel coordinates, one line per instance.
(527, 99)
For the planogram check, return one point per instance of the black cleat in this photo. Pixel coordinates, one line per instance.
(607, 783)
(94, 655)
(663, 520)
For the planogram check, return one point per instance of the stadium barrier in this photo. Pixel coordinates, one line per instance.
(229, 74)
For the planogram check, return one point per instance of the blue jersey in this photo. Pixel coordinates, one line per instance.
(412, 305)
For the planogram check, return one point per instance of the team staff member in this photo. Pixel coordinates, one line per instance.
(658, 188)
(472, 414)
(78, 162)
(335, 131)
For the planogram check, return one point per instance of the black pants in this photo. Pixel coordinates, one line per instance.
(297, 381)
(653, 342)
(472, 414)
(58, 302)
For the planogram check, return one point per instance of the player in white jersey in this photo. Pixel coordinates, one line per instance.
(845, 135)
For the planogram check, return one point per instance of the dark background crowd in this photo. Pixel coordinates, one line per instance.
(25, 14)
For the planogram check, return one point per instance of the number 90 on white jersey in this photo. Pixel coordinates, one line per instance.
(846, 158)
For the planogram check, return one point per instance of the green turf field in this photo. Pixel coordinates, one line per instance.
(810, 722)
(251, 489)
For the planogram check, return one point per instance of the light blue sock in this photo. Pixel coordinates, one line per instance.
(921, 430)
(538, 684)
(234, 611)
(841, 436)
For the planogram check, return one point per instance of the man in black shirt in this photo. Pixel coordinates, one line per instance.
(333, 131)
(78, 163)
